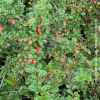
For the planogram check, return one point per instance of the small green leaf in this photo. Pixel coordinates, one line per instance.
(1, 41)
(32, 87)
(83, 13)
(69, 91)
(9, 82)
(45, 87)
(42, 73)
(69, 97)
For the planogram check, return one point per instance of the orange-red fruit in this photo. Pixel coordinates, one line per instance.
(27, 52)
(21, 40)
(26, 66)
(59, 29)
(25, 60)
(85, 49)
(65, 30)
(39, 2)
(56, 33)
(76, 44)
(55, 53)
(49, 56)
(66, 19)
(5, 46)
(37, 48)
(86, 61)
(44, 77)
(81, 9)
(0, 56)
(30, 60)
(67, 67)
(62, 59)
(55, 44)
(14, 76)
(48, 28)
(57, 79)
(74, 62)
(11, 21)
(76, 51)
(94, 2)
(88, 82)
(49, 72)
(34, 61)
(1, 28)
(86, 9)
(30, 41)
(38, 30)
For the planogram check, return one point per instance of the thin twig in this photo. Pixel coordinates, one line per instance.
(3, 77)
(54, 5)
(9, 92)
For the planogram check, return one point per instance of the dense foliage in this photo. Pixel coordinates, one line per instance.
(48, 50)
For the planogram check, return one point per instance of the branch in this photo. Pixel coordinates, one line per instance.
(9, 92)
(3, 77)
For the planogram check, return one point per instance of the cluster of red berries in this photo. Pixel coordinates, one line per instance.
(31, 60)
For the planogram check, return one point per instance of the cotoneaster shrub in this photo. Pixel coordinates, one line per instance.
(47, 50)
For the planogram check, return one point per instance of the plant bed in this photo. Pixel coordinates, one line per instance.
(48, 50)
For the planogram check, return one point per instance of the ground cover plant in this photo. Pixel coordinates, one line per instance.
(49, 50)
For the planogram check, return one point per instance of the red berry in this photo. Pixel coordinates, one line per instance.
(5, 46)
(88, 82)
(62, 59)
(65, 30)
(27, 52)
(86, 61)
(49, 72)
(94, 2)
(25, 60)
(11, 21)
(37, 48)
(55, 53)
(39, 2)
(86, 9)
(76, 44)
(56, 33)
(55, 44)
(59, 29)
(30, 41)
(66, 19)
(57, 79)
(85, 49)
(76, 51)
(21, 40)
(30, 60)
(49, 56)
(67, 67)
(81, 9)
(1, 28)
(38, 30)
(34, 61)
(0, 55)
(26, 66)
(48, 28)
(44, 77)
(74, 62)
(14, 76)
